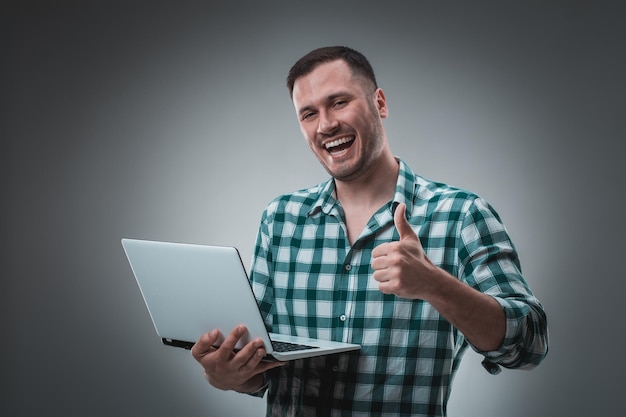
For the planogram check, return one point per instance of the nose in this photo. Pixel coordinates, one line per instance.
(327, 124)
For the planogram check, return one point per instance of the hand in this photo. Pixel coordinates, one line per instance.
(402, 268)
(226, 369)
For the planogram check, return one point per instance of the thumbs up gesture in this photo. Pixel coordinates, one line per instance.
(402, 268)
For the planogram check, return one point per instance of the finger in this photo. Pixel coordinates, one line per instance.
(205, 344)
(255, 359)
(380, 276)
(378, 262)
(386, 287)
(250, 355)
(384, 249)
(256, 365)
(402, 224)
(266, 366)
(384, 261)
(229, 343)
(380, 250)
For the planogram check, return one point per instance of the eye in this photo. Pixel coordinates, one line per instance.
(307, 116)
(339, 104)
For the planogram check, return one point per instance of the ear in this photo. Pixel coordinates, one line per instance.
(381, 103)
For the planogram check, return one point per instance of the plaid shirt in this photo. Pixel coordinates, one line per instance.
(310, 282)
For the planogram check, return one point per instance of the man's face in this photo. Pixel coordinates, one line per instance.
(340, 118)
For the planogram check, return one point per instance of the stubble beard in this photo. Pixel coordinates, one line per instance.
(373, 145)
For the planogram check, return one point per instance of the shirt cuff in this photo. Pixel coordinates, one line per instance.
(508, 352)
(261, 391)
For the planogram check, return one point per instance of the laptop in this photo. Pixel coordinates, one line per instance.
(190, 289)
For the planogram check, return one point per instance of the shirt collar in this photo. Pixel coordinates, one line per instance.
(405, 191)
(326, 200)
(406, 188)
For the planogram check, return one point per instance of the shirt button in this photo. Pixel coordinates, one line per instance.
(342, 317)
(335, 368)
(348, 267)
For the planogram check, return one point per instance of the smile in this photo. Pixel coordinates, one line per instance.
(340, 144)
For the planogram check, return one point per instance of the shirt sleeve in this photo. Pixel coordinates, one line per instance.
(261, 282)
(490, 264)
(262, 271)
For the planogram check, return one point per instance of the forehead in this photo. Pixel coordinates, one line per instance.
(325, 80)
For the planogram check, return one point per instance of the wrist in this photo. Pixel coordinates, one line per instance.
(438, 286)
(254, 385)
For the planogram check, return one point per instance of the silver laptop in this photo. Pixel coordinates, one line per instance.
(191, 289)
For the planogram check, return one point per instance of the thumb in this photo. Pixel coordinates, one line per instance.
(402, 224)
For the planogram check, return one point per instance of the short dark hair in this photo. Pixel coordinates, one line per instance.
(355, 60)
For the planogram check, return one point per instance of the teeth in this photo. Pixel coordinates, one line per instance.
(338, 142)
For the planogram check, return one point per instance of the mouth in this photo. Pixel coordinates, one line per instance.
(339, 145)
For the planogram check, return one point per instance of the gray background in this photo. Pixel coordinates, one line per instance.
(171, 121)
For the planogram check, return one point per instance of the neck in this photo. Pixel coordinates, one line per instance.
(373, 189)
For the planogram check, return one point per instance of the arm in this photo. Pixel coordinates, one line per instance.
(478, 316)
(499, 316)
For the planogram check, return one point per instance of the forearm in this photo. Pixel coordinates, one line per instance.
(478, 316)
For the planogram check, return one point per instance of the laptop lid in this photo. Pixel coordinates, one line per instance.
(191, 289)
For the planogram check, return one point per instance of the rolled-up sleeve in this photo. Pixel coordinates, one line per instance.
(525, 342)
(490, 263)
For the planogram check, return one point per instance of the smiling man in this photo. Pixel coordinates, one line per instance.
(412, 270)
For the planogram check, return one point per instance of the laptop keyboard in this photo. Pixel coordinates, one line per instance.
(289, 347)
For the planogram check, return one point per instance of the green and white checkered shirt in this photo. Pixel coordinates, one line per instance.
(310, 282)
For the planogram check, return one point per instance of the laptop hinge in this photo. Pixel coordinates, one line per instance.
(177, 343)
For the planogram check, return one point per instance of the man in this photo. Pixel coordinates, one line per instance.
(412, 270)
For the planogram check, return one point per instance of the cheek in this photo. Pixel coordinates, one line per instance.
(310, 143)
(309, 136)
